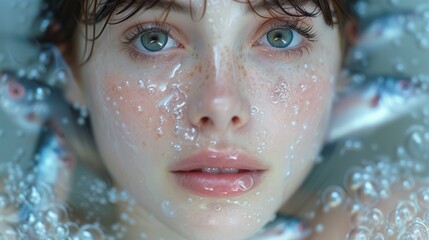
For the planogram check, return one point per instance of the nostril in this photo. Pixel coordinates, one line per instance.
(204, 120)
(235, 120)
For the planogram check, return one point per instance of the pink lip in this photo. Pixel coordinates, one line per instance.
(239, 173)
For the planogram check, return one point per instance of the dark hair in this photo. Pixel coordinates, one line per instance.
(71, 12)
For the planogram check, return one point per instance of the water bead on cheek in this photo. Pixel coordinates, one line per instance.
(254, 110)
(281, 93)
(168, 209)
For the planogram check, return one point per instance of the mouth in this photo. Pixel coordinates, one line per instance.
(218, 174)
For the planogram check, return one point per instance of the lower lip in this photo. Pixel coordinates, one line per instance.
(218, 185)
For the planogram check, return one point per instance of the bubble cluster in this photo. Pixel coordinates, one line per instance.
(31, 210)
(281, 94)
(367, 187)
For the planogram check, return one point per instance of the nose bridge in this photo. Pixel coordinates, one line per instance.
(225, 69)
(220, 104)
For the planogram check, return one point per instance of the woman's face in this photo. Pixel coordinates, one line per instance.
(211, 124)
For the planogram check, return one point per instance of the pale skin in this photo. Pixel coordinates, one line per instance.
(217, 86)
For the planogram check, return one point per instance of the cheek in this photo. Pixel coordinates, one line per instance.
(296, 100)
(129, 101)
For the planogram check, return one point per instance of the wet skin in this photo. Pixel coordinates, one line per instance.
(213, 132)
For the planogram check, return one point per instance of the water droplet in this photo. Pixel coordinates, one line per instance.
(190, 134)
(295, 109)
(177, 147)
(159, 131)
(168, 209)
(305, 126)
(280, 93)
(244, 183)
(253, 110)
(141, 83)
(314, 78)
(217, 207)
(261, 147)
(151, 89)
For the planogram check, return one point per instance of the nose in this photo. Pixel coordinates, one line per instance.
(218, 103)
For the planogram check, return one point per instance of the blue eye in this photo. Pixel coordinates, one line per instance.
(282, 37)
(155, 40)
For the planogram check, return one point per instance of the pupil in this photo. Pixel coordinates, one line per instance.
(280, 37)
(154, 41)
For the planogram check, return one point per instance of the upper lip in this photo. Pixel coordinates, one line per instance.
(219, 159)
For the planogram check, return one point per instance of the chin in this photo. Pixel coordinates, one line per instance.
(230, 222)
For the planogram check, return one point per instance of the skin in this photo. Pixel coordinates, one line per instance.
(220, 88)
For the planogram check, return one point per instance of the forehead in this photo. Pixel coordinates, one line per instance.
(194, 6)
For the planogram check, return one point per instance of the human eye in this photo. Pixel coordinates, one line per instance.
(286, 37)
(149, 41)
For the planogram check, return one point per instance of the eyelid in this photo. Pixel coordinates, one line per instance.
(299, 26)
(132, 34)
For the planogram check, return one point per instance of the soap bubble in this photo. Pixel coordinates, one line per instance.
(375, 218)
(418, 230)
(367, 194)
(359, 233)
(417, 142)
(423, 198)
(90, 232)
(333, 197)
(397, 219)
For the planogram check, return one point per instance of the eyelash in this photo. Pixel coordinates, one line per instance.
(135, 33)
(295, 25)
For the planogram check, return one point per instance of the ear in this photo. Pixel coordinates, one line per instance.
(351, 30)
